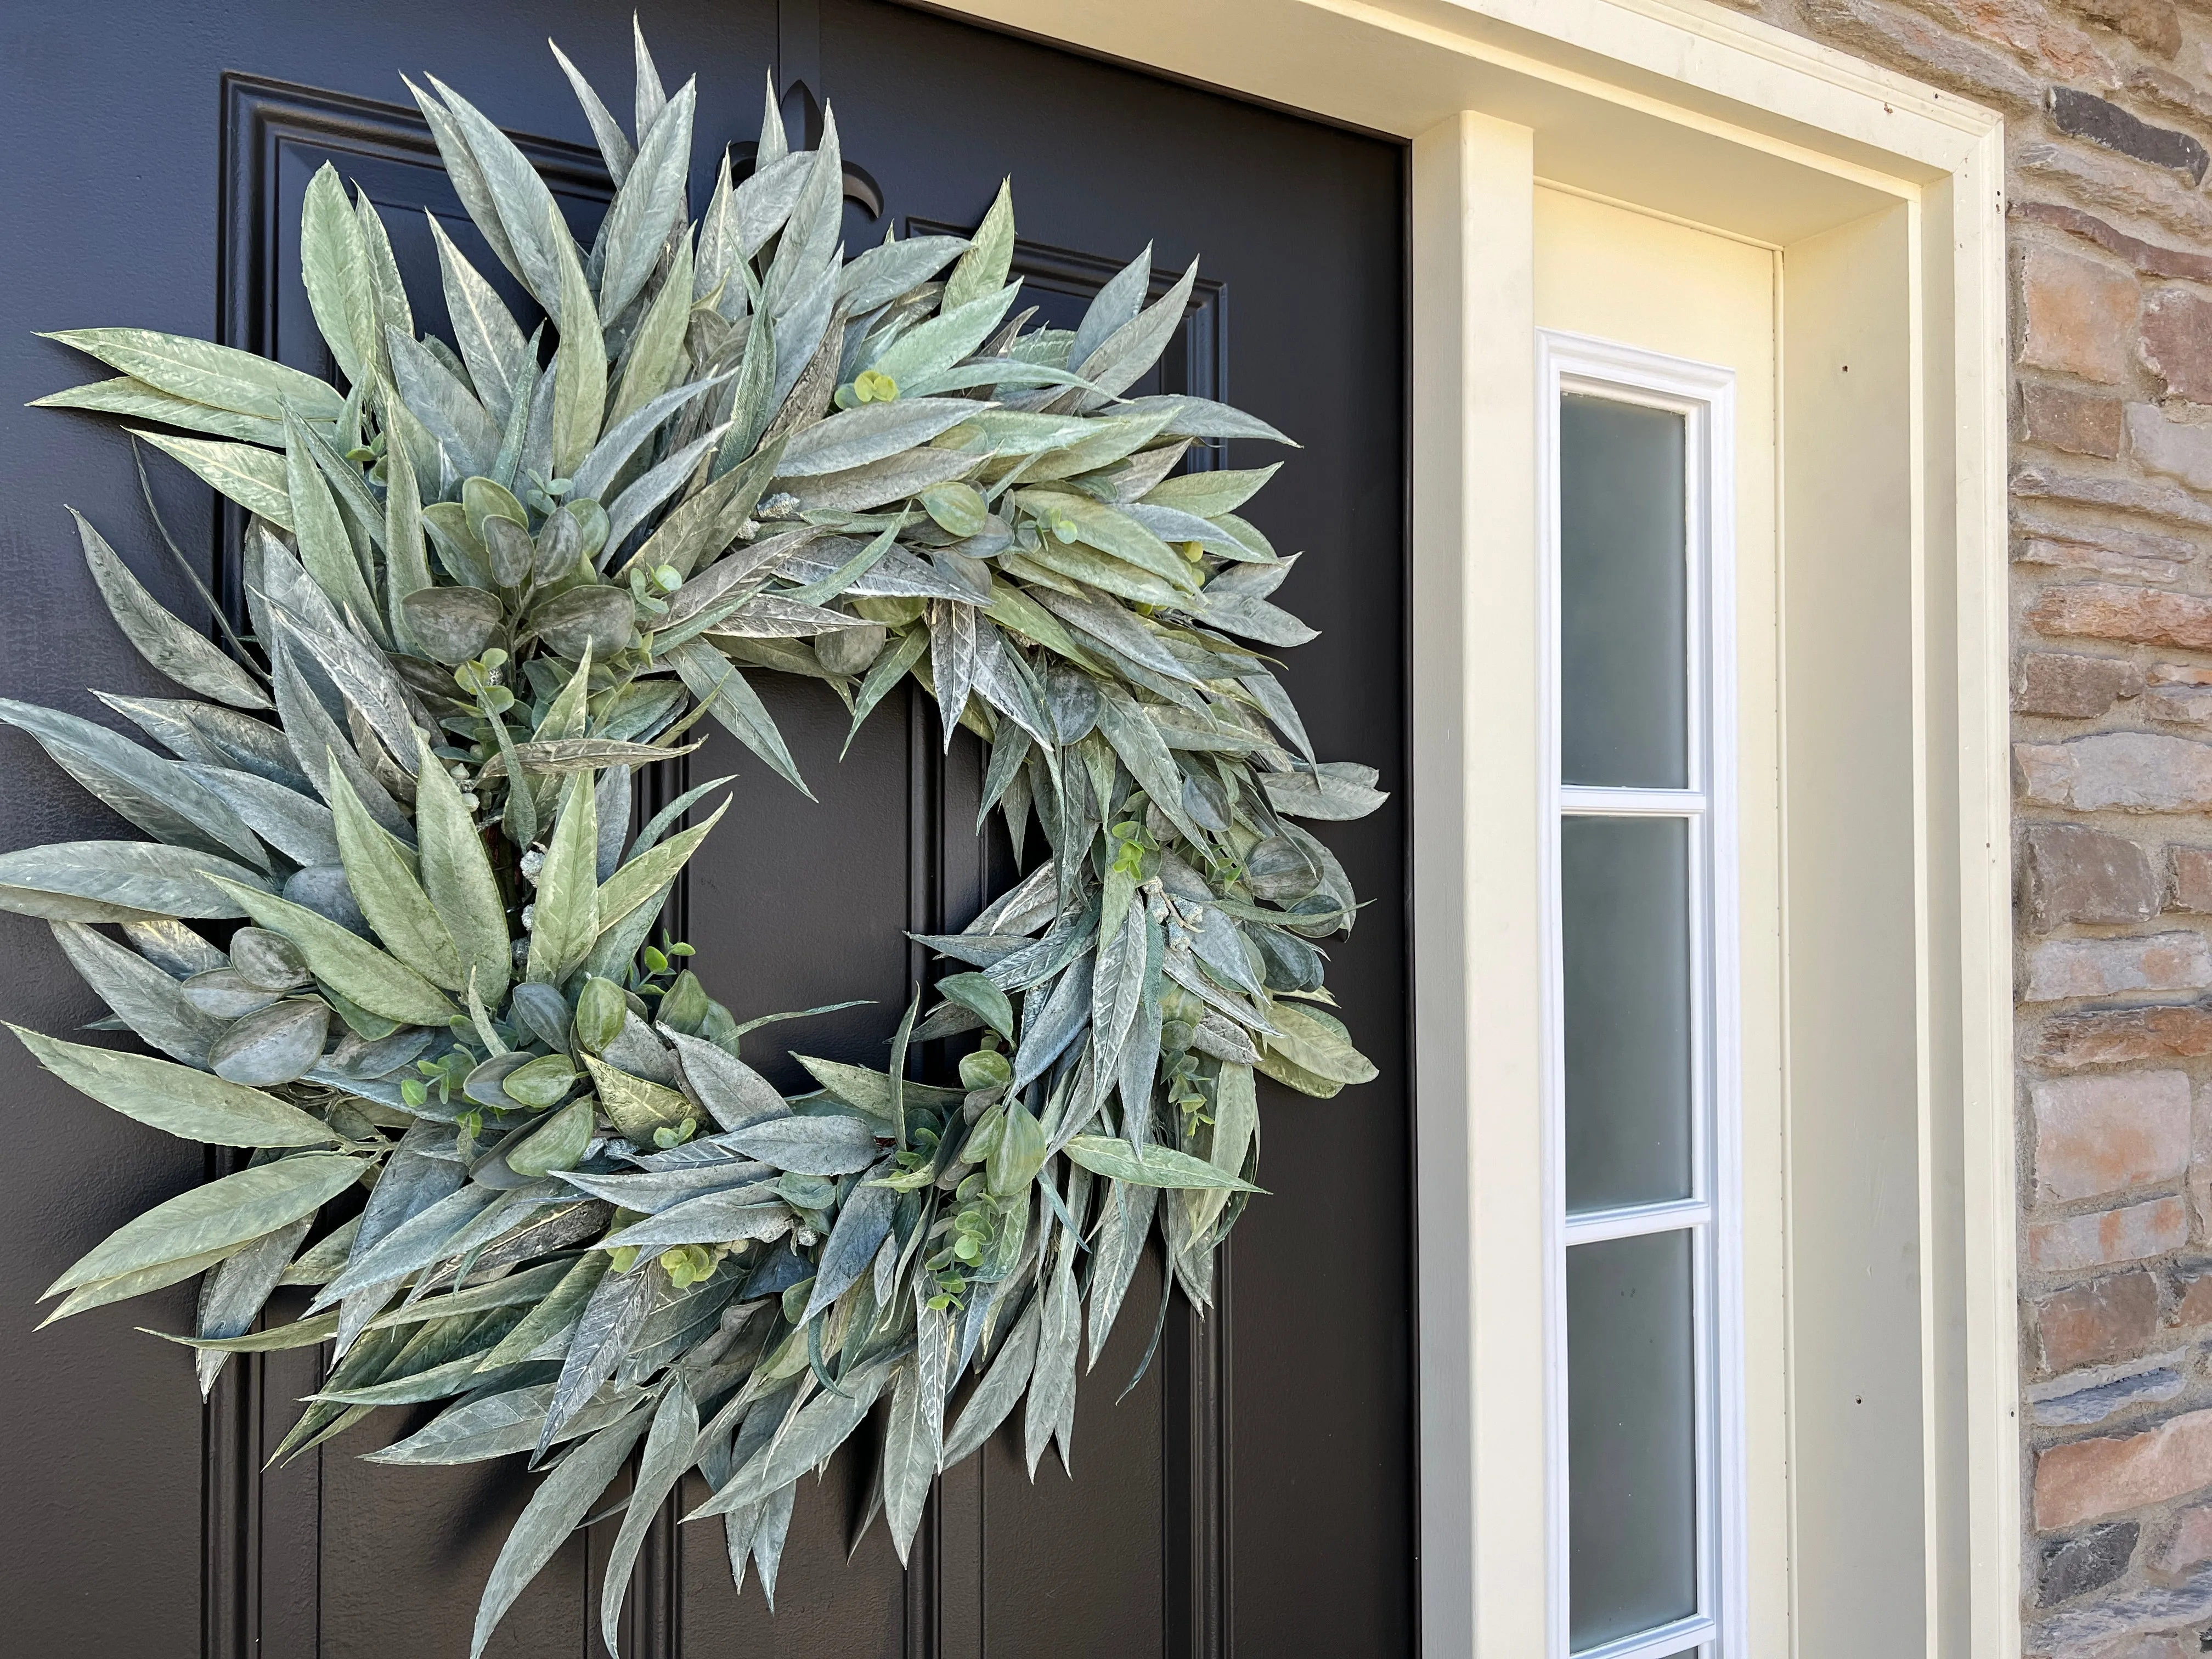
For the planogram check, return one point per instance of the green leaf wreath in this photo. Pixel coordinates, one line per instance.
(485, 583)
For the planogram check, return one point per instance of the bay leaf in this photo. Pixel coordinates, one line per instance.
(227, 1212)
(178, 1099)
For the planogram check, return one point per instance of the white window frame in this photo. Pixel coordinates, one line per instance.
(1703, 395)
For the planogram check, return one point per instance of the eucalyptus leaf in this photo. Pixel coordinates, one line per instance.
(863, 1221)
(145, 997)
(156, 794)
(118, 881)
(491, 342)
(809, 1146)
(185, 655)
(500, 1424)
(649, 199)
(914, 1438)
(611, 1318)
(818, 1429)
(381, 873)
(204, 372)
(178, 1099)
(251, 476)
(566, 906)
(368, 976)
(710, 1219)
(234, 1294)
(129, 396)
(734, 1093)
(1151, 1166)
(668, 1450)
(275, 1045)
(560, 1502)
(1052, 1381)
(223, 1212)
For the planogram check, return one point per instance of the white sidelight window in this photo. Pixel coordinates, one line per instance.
(1646, 1502)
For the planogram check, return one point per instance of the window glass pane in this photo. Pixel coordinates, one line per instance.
(1631, 1451)
(1624, 595)
(1624, 910)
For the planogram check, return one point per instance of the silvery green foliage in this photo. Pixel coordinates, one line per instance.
(490, 578)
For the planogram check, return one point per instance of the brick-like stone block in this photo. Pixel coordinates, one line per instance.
(2170, 91)
(2064, 418)
(2059, 968)
(2084, 115)
(1937, 53)
(2080, 313)
(2096, 1135)
(2078, 1407)
(2152, 497)
(2109, 1236)
(2072, 687)
(2149, 258)
(2189, 878)
(2118, 1036)
(2092, 1478)
(2090, 1560)
(2178, 691)
(2146, 1647)
(2139, 555)
(2107, 1319)
(2179, 449)
(2115, 611)
(2151, 24)
(2177, 343)
(2131, 771)
(2189, 1544)
(2193, 1303)
(2070, 872)
(2182, 705)
(2115, 183)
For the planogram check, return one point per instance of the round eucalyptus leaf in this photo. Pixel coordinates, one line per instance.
(227, 994)
(850, 650)
(592, 520)
(268, 960)
(600, 1012)
(486, 1085)
(484, 499)
(545, 1012)
(1292, 964)
(560, 547)
(543, 1082)
(279, 1044)
(556, 1144)
(1277, 871)
(452, 623)
(603, 618)
(1071, 702)
(513, 553)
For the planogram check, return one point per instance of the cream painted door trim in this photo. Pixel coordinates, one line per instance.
(1893, 192)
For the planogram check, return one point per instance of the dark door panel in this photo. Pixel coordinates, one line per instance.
(1255, 1492)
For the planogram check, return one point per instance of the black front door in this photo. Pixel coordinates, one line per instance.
(1255, 1493)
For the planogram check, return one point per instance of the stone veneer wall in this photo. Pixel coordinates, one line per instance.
(2108, 105)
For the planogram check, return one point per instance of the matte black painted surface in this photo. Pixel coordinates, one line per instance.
(1255, 1494)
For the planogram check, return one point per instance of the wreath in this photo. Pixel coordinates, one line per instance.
(486, 583)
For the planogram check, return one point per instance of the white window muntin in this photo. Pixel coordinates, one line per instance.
(1703, 395)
